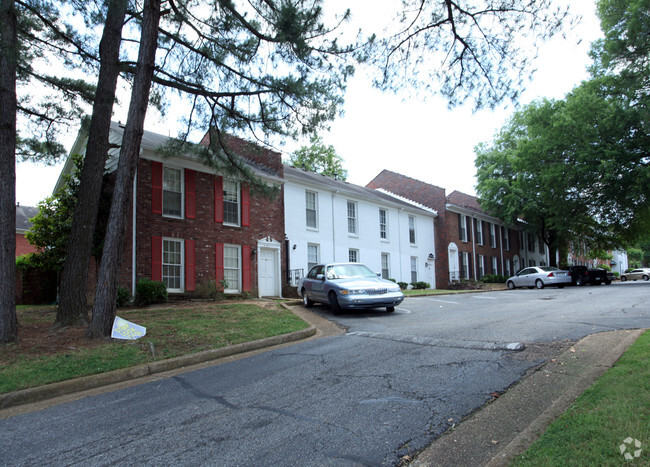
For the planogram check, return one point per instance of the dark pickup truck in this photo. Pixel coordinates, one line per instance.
(581, 275)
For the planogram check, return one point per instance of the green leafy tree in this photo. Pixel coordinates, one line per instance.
(319, 158)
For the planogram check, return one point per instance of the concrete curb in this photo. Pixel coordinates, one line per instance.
(50, 391)
(499, 431)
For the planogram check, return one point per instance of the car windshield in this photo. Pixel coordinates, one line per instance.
(346, 271)
(549, 268)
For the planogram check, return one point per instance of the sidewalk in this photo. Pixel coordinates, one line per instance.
(490, 437)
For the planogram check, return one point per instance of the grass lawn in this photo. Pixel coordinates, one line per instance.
(615, 408)
(42, 356)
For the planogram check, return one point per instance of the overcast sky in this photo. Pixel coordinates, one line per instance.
(380, 131)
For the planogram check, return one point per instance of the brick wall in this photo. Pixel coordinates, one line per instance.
(266, 220)
(23, 247)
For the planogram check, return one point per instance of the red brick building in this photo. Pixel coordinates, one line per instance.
(23, 224)
(199, 231)
(469, 242)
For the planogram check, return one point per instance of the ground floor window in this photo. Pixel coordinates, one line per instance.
(464, 265)
(172, 264)
(353, 255)
(414, 269)
(313, 255)
(480, 266)
(232, 268)
(495, 265)
(385, 265)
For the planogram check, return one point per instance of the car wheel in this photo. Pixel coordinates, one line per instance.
(623, 278)
(305, 299)
(560, 286)
(511, 285)
(390, 309)
(334, 303)
(608, 282)
(580, 281)
(539, 284)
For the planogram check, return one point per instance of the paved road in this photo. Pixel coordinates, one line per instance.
(385, 389)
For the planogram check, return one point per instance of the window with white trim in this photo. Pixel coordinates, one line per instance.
(231, 201)
(480, 266)
(313, 255)
(383, 224)
(352, 218)
(505, 235)
(479, 232)
(353, 255)
(464, 265)
(385, 265)
(493, 235)
(172, 264)
(462, 224)
(507, 266)
(412, 230)
(232, 268)
(414, 269)
(172, 192)
(495, 265)
(311, 209)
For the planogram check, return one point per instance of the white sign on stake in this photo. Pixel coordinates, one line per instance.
(123, 329)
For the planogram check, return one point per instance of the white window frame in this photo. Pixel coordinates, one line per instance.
(308, 209)
(353, 218)
(313, 255)
(506, 238)
(353, 255)
(493, 235)
(463, 228)
(412, 232)
(229, 268)
(495, 265)
(464, 262)
(480, 267)
(166, 263)
(479, 232)
(507, 267)
(166, 189)
(229, 185)
(414, 269)
(383, 224)
(385, 265)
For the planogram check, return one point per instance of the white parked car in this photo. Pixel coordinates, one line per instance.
(636, 274)
(540, 277)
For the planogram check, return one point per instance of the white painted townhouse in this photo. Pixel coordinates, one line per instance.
(328, 220)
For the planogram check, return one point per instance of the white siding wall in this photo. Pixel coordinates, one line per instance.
(335, 242)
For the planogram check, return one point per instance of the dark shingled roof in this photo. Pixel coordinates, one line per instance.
(466, 201)
(23, 216)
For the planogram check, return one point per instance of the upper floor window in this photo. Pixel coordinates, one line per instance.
(412, 230)
(231, 201)
(541, 245)
(383, 224)
(493, 235)
(172, 192)
(353, 255)
(352, 217)
(311, 209)
(462, 227)
(505, 235)
(479, 232)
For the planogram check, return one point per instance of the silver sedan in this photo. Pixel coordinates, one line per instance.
(540, 277)
(348, 285)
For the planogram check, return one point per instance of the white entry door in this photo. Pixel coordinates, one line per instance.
(268, 267)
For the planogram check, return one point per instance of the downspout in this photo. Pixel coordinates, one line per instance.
(501, 246)
(399, 242)
(435, 256)
(474, 246)
(133, 233)
(333, 230)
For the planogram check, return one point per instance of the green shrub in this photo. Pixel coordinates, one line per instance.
(421, 285)
(606, 267)
(493, 279)
(148, 292)
(392, 280)
(123, 296)
(402, 285)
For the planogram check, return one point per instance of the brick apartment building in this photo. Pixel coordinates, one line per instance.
(469, 243)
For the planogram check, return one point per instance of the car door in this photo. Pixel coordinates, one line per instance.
(525, 278)
(317, 283)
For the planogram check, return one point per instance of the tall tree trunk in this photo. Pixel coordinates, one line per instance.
(74, 280)
(8, 103)
(104, 307)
